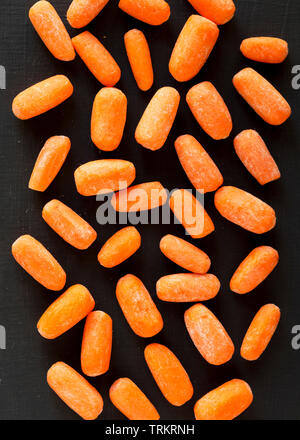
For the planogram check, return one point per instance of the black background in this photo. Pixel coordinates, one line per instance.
(24, 393)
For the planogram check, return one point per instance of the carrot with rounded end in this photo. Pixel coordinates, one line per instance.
(108, 118)
(191, 214)
(138, 307)
(38, 262)
(42, 97)
(51, 30)
(49, 162)
(82, 12)
(218, 11)
(66, 311)
(97, 58)
(245, 210)
(210, 110)
(118, 248)
(75, 391)
(265, 49)
(131, 401)
(140, 197)
(139, 57)
(208, 335)
(154, 12)
(69, 225)
(157, 120)
(201, 170)
(96, 344)
(265, 100)
(169, 374)
(225, 402)
(104, 176)
(254, 269)
(254, 154)
(193, 47)
(260, 332)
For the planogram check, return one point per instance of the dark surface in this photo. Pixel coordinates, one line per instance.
(24, 393)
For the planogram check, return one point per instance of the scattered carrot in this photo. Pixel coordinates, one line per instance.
(218, 11)
(265, 49)
(82, 12)
(154, 12)
(140, 197)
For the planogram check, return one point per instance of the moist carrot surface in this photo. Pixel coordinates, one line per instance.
(245, 210)
(193, 47)
(201, 170)
(75, 391)
(49, 162)
(138, 307)
(131, 401)
(38, 262)
(66, 311)
(208, 335)
(82, 12)
(218, 11)
(225, 402)
(154, 12)
(169, 374)
(210, 110)
(140, 197)
(265, 49)
(254, 269)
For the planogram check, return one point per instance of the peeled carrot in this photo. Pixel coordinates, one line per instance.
(265, 49)
(66, 311)
(82, 12)
(260, 332)
(139, 57)
(104, 176)
(208, 335)
(69, 225)
(118, 248)
(156, 123)
(191, 214)
(49, 161)
(254, 154)
(193, 47)
(201, 170)
(38, 262)
(245, 210)
(218, 11)
(138, 307)
(75, 391)
(96, 344)
(225, 402)
(140, 197)
(42, 97)
(265, 100)
(154, 12)
(210, 110)
(108, 118)
(131, 401)
(169, 374)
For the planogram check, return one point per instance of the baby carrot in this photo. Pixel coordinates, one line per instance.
(139, 57)
(138, 307)
(245, 210)
(225, 402)
(66, 311)
(254, 269)
(193, 47)
(49, 161)
(82, 12)
(210, 110)
(140, 197)
(97, 58)
(169, 374)
(96, 344)
(69, 225)
(265, 49)
(42, 97)
(154, 12)
(265, 100)
(108, 118)
(118, 248)
(38, 262)
(260, 332)
(131, 401)
(75, 391)
(155, 124)
(104, 176)
(201, 170)
(208, 335)
(218, 11)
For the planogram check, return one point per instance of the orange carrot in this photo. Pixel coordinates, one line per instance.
(218, 11)
(38, 262)
(254, 269)
(82, 12)
(265, 49)
(49, 161)
(154, 12)
(169, 374)
(208, 335)
(140, 197)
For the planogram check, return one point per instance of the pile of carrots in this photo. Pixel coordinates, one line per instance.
(192, 49)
